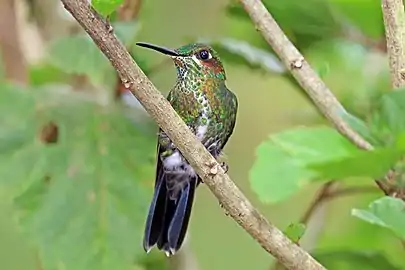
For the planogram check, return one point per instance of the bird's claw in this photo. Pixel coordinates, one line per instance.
(108, 25)
(224, 166)
(165, 141)
(223, 208)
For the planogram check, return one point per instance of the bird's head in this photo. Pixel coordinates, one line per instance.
(194, 59)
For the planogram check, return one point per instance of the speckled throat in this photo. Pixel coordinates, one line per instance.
(199, 97)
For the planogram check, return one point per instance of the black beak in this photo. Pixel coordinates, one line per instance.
(158, 48)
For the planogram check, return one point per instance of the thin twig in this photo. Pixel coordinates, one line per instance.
(327, 192)
(394, 22)
(309, 80)
(232, 199)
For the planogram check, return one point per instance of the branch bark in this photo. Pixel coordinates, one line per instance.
(233, 200)
(394, 23)
(10, 46)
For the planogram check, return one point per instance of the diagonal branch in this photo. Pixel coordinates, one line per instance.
(232, 199)
(309, 80)
(394, 23)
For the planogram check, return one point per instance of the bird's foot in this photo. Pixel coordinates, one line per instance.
(165, 141)
(224, 166)
(108, 25)
(223, 208)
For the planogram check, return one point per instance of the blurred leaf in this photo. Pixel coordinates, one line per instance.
(357, 73)
(44, 73)
(364, 15)
(295, 231)
(338, 54)
(154, 261)
(323, 70)
(351, 259)
(304, 22)
(280, 168)
(360, 127)
(387, 121)
(290, 159)
(64, 53)
(385, 212)
(82, 199)
(241, 52)
(106, 7)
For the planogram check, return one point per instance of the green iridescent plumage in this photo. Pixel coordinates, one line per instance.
(209, 108)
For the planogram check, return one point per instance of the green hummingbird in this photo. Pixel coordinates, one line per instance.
(209, 108)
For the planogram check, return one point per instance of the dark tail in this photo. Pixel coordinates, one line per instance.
(168, 219)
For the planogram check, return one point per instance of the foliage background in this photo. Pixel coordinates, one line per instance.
(109, 148)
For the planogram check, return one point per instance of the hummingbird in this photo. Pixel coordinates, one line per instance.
(203, 101)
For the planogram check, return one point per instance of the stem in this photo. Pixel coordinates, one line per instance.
(13, 58)
(233, 200)
(394, 22)
(328, 192)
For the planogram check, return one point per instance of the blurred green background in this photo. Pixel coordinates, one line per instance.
(342, 39)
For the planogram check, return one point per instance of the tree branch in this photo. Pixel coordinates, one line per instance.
(394, 23)
(233, 200)
(309, 80)
(10, 47)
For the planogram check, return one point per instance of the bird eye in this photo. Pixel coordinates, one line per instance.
(204, 55)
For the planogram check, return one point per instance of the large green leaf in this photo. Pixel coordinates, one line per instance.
(79, 55)
(385, 212)
(82, 199)
(353, 259)
(372, 164)
(288, 160)
(280, 168)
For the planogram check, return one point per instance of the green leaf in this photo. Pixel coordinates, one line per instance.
(353, 259)
(295, 231)
(241, 52)
(81, 200)
(291, 159)
(106, 7)
(317, 19)
(374, 164)
(323, 70)
(280, 168)
(385, 212)
(42, 74)
(64, 53)
(387, 122)
(360, 127)
(365, 15)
